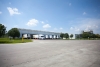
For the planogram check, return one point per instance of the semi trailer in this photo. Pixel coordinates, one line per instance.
(54, 37)
(24, 35)
(41, 36)
(47, 36)
(50, 36)
(35, 36)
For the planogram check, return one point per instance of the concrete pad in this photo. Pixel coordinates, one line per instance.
(51, 53)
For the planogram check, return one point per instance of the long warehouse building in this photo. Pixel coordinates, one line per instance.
(27, 33)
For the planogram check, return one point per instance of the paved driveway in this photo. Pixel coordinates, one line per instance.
(51, 53)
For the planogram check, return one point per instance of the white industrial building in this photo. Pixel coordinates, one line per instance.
(27, 33)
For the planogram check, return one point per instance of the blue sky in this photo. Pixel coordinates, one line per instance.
(70, 16)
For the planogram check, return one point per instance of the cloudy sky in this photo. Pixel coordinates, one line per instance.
(71, 16)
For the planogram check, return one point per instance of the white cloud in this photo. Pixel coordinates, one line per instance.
(13, 11)
(71, 28)
(42, 22)
(70, 4)
(86, 25)
(0, 12)
(90, 27)
(74, 28)
(84, 13)
(91, 24)
(61, 28)
(32, 22)
(46, 26)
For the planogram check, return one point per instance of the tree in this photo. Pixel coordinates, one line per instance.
(62, 35)
(66, 35)
(14, 32)
(71, 36)
(97, 36)
(85, 35)
(88, 34)
(2, 30)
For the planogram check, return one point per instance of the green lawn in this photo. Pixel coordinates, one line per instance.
(7, 40)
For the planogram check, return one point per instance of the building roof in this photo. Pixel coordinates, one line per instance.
(36, 30)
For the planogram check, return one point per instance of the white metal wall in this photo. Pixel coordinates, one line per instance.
(27, 31)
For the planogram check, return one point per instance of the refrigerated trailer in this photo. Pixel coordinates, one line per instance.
(47, 36)
(57, 37)
(54, 37)
(35, 36)
(24, 35)
(50, 36)
(41, 36)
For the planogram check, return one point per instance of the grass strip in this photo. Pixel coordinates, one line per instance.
(7, 40)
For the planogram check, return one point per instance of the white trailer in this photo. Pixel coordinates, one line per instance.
(50, 36)
(46, 36)
(24, 35)
(54, 36)
(41, 36)
(57, 37)
(35, 36)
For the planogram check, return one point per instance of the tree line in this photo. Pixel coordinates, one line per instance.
(14, 32)
(88, 34)
(66, 35)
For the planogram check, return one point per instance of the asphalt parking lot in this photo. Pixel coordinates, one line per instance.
(51, 53)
